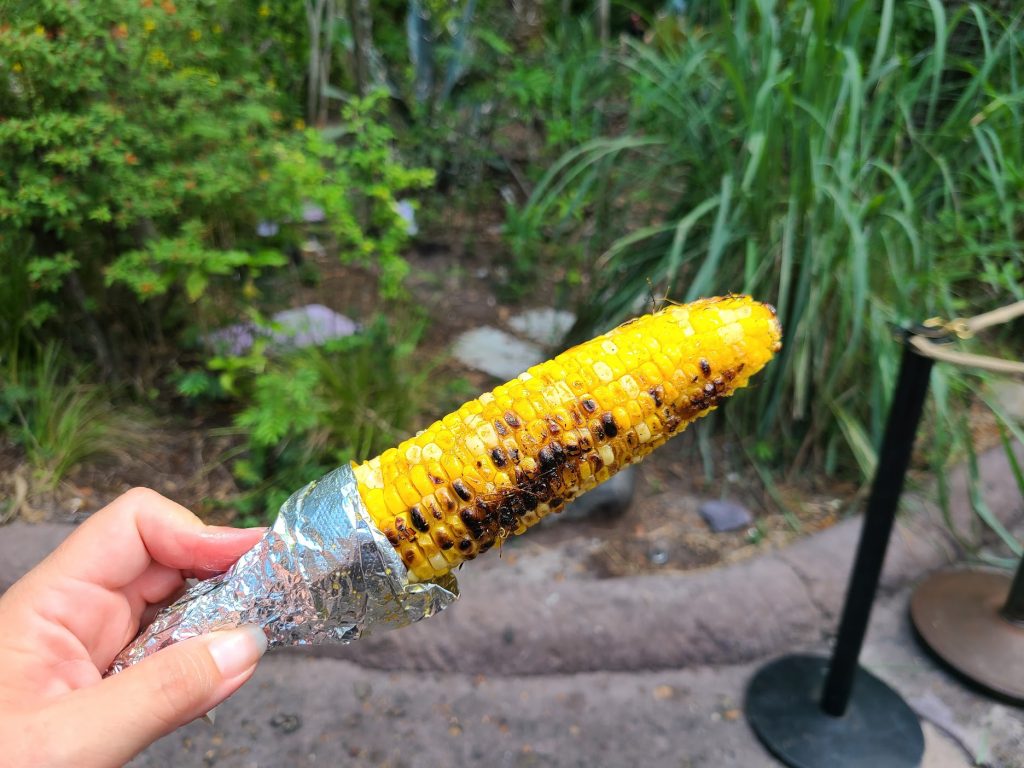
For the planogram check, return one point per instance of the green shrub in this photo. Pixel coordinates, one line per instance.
(125, 122)
(141, 145)
(307, 411)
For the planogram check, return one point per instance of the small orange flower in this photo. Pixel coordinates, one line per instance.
(131, 158)
(120, 31)
(169, 8)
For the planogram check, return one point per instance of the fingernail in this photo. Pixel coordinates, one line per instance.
(235, 650)
(226, 531)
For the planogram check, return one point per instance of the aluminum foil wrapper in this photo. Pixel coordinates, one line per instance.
(323, 573)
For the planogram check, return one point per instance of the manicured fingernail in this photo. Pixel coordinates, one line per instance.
(235, 650)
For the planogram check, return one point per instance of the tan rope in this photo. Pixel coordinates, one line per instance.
(965, 328)
(996, 316)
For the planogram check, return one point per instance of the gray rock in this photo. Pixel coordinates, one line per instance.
(267, 228)
(725, 515)
(405, 209)
(495, 352)
(545, 326)
(313, 214)
(609, 500)
(311, 325)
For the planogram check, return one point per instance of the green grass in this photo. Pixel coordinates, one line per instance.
(60, 420)
(808, 153)
(858, 164)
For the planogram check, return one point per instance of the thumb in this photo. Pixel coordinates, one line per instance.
(122, 715)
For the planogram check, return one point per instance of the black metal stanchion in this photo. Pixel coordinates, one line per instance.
(812, 712)
(974, 621)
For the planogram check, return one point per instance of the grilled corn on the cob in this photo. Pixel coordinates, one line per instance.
(501, 462)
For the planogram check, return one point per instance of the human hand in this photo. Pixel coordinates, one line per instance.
(62, 624)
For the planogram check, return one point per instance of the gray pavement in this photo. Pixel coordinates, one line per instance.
(302, 711)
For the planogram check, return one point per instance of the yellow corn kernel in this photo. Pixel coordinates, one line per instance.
(374, 500)
(420, 479)
(392, 500)
(406, 491)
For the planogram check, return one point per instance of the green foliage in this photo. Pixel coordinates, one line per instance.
(361, 156)
(142, 145)
(807, 153)
(186, 263)
(60, 420)
(569, 87)
(571, 92)
(127, 124)
(308, 411)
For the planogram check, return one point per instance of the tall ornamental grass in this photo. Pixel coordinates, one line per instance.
(857, 163)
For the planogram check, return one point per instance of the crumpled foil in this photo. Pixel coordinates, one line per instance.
(323, 573)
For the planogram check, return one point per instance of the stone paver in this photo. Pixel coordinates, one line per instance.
(546, 326)
(496, 353)
(503, 355)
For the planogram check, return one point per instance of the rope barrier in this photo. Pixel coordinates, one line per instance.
(966, 328)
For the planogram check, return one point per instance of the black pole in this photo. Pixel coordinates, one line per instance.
(1014, 608)
(893, 460)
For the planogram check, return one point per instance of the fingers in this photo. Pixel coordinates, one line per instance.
(115, 545)
(108, 723)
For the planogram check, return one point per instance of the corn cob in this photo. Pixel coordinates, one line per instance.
(502, 462)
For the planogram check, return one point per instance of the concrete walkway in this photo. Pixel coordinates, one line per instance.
(301, 711)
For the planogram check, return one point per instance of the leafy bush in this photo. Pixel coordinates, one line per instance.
(805, 152)
(141, 145)
(308, 411)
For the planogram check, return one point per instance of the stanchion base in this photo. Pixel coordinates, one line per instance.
(878, 730)
(957, 615)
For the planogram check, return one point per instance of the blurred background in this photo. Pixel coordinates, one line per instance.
(243, 242)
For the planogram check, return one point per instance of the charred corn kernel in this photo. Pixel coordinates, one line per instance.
(446, 501)
(503, 461)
